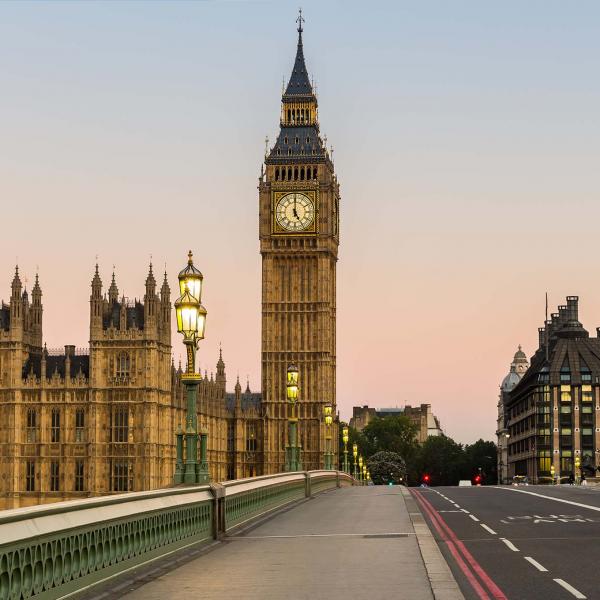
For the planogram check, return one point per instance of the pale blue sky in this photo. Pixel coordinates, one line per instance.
(466, 140)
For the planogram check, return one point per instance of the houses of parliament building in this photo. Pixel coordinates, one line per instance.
(76, 423)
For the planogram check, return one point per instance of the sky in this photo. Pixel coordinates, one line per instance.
(466, 141)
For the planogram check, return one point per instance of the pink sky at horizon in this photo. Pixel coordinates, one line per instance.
(466, 144)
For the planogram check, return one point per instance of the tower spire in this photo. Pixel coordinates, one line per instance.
(299, 83)
(300, 20)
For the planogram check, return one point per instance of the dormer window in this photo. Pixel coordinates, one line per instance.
(278, 151)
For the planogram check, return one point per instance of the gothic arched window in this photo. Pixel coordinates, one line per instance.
(123, 364)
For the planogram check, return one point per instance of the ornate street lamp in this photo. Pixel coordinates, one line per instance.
(360, 467)
(292, 459)
(355, 457)
(364, 473)
(577, 469)
(191, 322)
(345, 440)
(328, 414)
(552, 473)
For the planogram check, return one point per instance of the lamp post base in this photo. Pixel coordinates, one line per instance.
(292, 459)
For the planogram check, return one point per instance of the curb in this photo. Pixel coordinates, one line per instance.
(442, 582)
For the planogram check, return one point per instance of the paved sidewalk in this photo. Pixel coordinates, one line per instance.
(347, 543)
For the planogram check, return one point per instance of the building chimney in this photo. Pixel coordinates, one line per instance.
(562, 314)
(573, 308)
(542, 336)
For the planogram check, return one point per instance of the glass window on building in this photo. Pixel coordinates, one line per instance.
(565, 393)
(79, 476)
(32, 426)
(544, 462)
(230, 436)
(80, 425)
(55, 425)
(30, 476)
(566, 462)
(586, 375)
(251, 441)
(586, 393)
(123, 364)
(120, 476)
(120, 424)
(54, 476)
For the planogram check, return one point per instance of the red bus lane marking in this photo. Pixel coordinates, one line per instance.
(488, 582)
(455, 553)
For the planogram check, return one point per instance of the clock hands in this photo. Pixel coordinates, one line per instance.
(295, 211)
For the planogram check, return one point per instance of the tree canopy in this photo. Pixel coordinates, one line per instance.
(444, 460)
(393, 434)
(385, 467)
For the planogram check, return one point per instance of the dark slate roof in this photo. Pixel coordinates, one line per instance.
(135, 316)
(248, 400)
(56, 363)
(309, 143)
(4, 317)
(299, 83)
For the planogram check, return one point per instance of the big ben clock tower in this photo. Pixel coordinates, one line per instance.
(299, 238)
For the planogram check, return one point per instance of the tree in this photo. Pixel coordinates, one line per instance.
(442, 459)
(391, 434)
(385, 467)
(482, 455)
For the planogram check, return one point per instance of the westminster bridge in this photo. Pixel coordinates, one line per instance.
(291, 535)
(307, 535)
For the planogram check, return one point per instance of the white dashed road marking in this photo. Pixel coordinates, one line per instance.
(536, 564)
(570, 588)
(488, 529)
(474, 518)
(510, 545)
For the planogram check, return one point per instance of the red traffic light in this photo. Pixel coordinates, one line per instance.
(426, 478)
(477, 478)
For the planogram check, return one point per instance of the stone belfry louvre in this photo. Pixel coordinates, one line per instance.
(299, 239)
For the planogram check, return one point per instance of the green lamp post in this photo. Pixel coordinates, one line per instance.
(293, 461)
(191, 322)
(345, 439)
(360, 468)
(355, 457)
(328, 414)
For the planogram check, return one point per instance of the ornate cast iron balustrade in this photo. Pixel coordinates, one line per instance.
(49, 551)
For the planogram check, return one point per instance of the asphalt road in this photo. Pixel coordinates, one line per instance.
(519, 543)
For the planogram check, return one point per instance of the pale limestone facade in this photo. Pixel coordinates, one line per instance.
(421, 417)
(77, 423)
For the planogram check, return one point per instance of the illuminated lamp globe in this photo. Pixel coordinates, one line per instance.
(192, 278)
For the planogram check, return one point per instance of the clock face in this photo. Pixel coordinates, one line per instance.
(295, 212)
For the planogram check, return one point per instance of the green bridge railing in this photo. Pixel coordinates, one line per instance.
(56, 550)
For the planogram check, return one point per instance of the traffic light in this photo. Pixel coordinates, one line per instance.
(477, 479)
(426, 479)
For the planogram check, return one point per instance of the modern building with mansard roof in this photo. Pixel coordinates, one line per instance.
(552, 415)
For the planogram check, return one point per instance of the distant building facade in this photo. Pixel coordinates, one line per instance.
(77, 423)
(518, 367)
(426, 422)
(552, 414)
